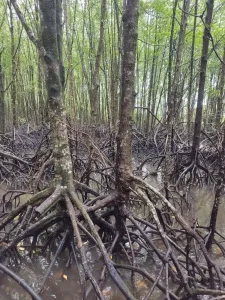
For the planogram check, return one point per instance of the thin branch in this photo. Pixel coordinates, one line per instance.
(21, 282)
(28, 30)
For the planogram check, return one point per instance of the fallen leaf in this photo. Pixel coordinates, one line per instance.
(174, 269)
(141, 284)
(218, 250)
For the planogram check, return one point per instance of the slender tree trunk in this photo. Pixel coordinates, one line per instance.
(170, 105)
(219, 191)
(154, 91)
(214, 213)
(59, 27)
(124, 136)
(42, 106)
(32, 96)
(13, 72)
(2, 100)
(53, 66)
(219, 108)
(201, 87)
(49, 50)
(94, 95)
(212, 101)
(114, 95)
(143, 89)
(124, 150)
(41, 97)
(159, 79)
(176, 95)
(115, 69)
(150, 92)
(169, 99)
(190, 88)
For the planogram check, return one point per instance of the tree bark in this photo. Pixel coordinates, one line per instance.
(59, 27)
(176, 93)
(190, 88)
(94, 95)
(13, 72)
(53, 66)
(219, 108)
(48, 48)
(201, 87)
(2, 101)
(151, 83)
(169, 100)
(124, 149)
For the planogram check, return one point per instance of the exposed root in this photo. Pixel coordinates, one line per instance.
(21, 282)
(81, 249)
(37, 198)
(53, 260)
(171, 242)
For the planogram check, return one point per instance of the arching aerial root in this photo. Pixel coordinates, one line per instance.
(177, 256)
(192, 171)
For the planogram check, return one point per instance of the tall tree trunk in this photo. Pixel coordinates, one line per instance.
(151, 83)
(219, 106)
(124, 135)
(219, 191)
(94, 95)
(43, 112)
(154, 91)
(169, 100)
(53, 66)
(2, 100)
(201, 87)
(212, 101)
(13, 72)
(49, 51)
(59, 26)
(176, 95)
(114, 95)
(190, 88)
(124, 145)
(170, 105)
(32, 95)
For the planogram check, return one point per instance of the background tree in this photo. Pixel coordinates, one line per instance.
(2, 102)
(202, 78)
(220, 97)
(94, 94)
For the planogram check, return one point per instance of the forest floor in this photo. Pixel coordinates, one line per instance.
(180, 265)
